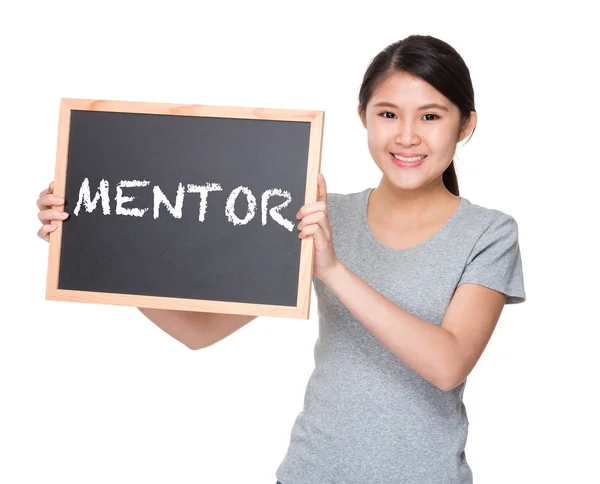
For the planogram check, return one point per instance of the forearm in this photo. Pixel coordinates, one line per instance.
(428, 349)
(186, 327)
(196, 329)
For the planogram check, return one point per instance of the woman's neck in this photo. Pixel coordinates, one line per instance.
(411, 206)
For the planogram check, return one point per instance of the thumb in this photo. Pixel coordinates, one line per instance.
(322, 188)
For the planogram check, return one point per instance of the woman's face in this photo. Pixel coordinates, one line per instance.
(397, 122)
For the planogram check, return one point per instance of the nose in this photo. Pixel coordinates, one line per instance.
(406, 134)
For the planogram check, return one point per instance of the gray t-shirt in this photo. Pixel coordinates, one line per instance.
(367, 417)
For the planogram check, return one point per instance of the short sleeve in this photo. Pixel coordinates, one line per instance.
(495, 260)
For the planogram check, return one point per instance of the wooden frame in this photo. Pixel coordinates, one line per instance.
(302, 308)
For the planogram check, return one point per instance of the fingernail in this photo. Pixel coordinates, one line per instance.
(64, 214)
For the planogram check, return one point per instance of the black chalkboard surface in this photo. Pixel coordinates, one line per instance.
(184, 206)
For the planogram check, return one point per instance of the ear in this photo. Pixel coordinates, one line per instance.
(469, 127)
(362, 117)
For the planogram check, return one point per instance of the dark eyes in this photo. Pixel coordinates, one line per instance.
(388, 112)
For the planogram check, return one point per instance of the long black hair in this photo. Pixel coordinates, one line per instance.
(438, 64)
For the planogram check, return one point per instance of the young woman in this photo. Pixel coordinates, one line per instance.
(411, 279)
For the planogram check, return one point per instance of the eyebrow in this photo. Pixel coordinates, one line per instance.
(426, 106)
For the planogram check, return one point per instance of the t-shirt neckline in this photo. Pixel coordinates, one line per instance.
(444, 228)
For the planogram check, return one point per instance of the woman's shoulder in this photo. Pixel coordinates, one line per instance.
(347, 208)
(482, 218)
(340, 201)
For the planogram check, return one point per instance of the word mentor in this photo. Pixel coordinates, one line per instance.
(175, 210)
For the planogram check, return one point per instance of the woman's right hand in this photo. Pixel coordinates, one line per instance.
(47, 214)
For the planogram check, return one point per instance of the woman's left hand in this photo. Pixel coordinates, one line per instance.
(315, 222)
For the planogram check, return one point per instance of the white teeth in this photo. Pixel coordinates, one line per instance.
(409, 160)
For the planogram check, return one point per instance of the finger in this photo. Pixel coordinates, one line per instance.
(310, 208)
(322, 188)
(50, 189)
(319, 218)
(47, 201)
(47, 216)
(312, 229)
(315, 231)
(45, 231)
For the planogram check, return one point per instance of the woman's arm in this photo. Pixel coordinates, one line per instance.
(194, 329)
(444, 355)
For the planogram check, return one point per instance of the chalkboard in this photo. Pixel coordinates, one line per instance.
(189, 207)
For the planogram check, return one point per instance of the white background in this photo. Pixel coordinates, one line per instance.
(97, 394)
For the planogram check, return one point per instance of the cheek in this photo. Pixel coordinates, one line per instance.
(443, 137)
(380, 138)
(377, 146)
(443, 145)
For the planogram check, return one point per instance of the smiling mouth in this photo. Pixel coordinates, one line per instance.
(412, 159)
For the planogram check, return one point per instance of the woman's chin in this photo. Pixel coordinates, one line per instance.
(404, 181)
